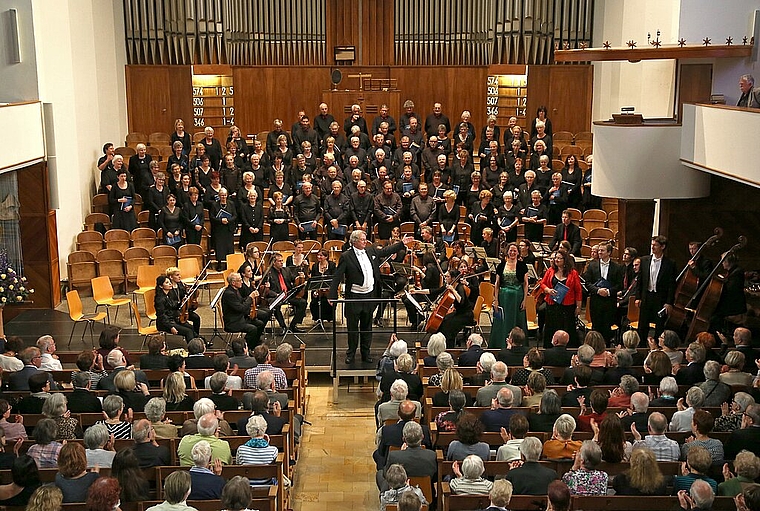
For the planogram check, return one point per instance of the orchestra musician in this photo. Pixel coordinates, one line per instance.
(252, 259)
(168, 309)
(179, 288)
(430, 280)
(426, 233)
(462, 315)
(700, 266)
(320, 306)
(282, 280)
(732, 301)
(298, 259)
(236, 310)
(360, 265)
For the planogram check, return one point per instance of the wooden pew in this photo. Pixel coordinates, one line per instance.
(273, 470)
(453, 502)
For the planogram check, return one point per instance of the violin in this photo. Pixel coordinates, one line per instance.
(301, 278)
(190, 303)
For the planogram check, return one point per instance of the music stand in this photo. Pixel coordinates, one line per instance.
(402, 269)
(284, 298)
(319, 283)
(476, 252)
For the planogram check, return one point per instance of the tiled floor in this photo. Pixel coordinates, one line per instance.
(335, 468)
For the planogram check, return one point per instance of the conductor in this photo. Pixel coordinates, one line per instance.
(361, 266)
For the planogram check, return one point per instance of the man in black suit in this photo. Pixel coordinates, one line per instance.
(579, 387)
(657, 287)
(280, 280)
(361, 267)
(146, 448)
(732, 301)
(219, 394)
(568, 231)
(117, 360)
(40, 388)
(236, 310)
(392, 434)
(196, 358)
(515, 351)
(471, 357)
(693, 372)
(81, 400)
(557, 355)
(417, 462)
(604, 278)
(531, 478)
(258, 403)
(32, 359)
(748, 437)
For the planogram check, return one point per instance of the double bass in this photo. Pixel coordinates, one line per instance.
(711, 291)
(688, 287)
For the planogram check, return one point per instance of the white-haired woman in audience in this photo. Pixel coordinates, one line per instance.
(747, 468)
(435, 346)
(396, 347)
(443, 361)
(55, 408)
(206, 480)
(561, 445)
(667, 393)
(99, 447)
(113, 407)
(257, 450)
(735, 376)
(583, 478)
(716, 392)
(469, 479)
(549, 410)
(681, 420)
(155, 412)
(404, 368)
(731, 415)
(399, 484)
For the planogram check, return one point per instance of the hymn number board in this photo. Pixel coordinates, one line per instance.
(213, 101)
(507, 96)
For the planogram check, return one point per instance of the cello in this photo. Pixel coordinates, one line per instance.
(688, 287)
(711, 291)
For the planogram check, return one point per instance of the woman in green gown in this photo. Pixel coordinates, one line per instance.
(511, 289)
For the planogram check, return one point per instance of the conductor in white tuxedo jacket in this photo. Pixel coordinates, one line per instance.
(360, 265)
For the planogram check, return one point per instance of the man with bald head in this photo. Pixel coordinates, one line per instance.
(743, 343)
(557, 355)
(664, 448)
(637, 413)
(501, 411)
(392, 434)
(146, 447)
(207, 428)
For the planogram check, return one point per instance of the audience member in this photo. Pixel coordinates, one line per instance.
(207, 428)
(469, 480)
(498, 381)
(45, 450)
(643, 477)
(748, 436)
(716, 392)
(529, 477)
(176, 491)
(205, 479)
(583, 478)
(99, 447)
(104, 494)
(702, 424)
(468, 433)
(417, 462)
(664, 448)
(126, 469)
(25, 479)
(747, 468)
(561, 445)
(548, 412)
(73, 478)
(155, 412)
(697, 465)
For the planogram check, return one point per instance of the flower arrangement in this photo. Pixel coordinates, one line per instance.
(13, 287)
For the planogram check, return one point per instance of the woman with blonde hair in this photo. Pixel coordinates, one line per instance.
(126, 387)
(448, 216)
(451, 380)
(643, 478)
(435, 346)
(174, 393)
(46, 498)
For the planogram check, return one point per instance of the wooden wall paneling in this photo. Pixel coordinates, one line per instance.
(148, 104)
(538, 94)
(39, 241)
(635, 219)
(566, 91)
(263, 94)
(377, 32)
(180, 99)
(342, 26)
(456, 88)
(694, 84)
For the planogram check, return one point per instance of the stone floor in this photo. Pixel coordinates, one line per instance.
(335, 469)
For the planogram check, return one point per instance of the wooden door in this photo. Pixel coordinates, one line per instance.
(694, 85)
(570, 98)
(156, 96)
